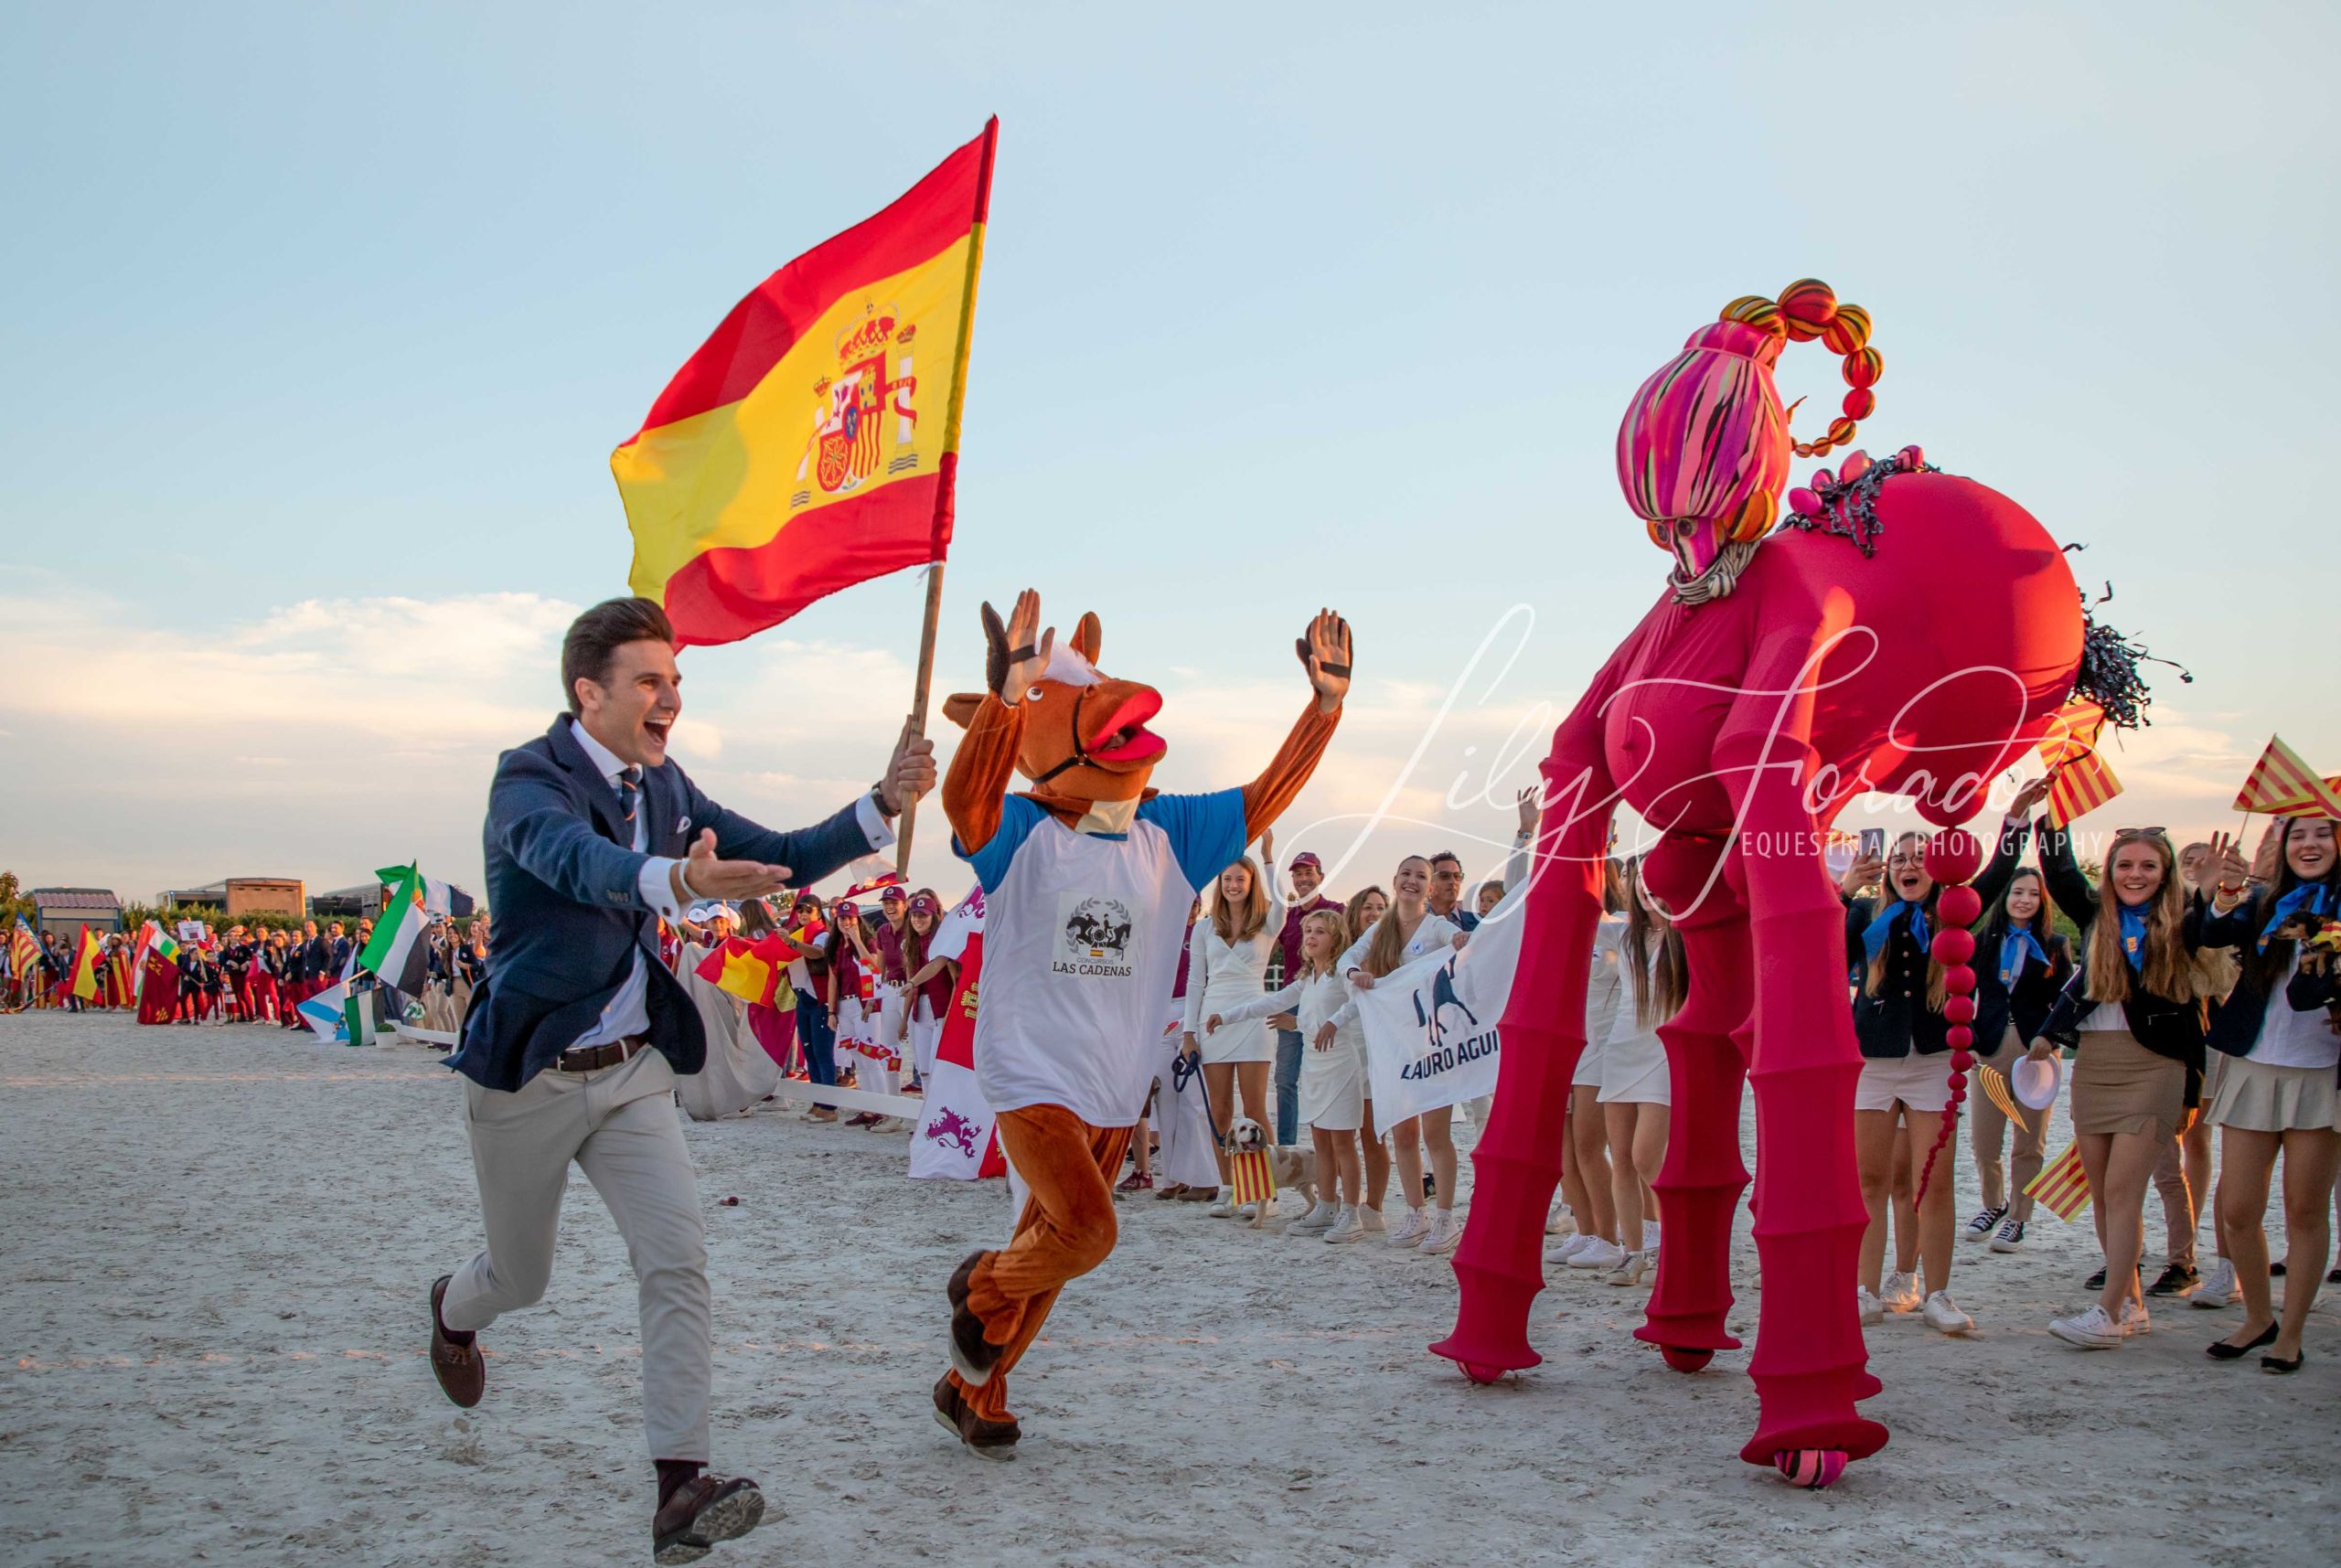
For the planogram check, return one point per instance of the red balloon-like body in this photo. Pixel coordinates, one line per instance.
(1958, 980)
(1954, 946)
(1960, 905)
(1955, 855)
(1959, 1009)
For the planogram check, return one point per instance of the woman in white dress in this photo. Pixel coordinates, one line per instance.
(1635, 1093)
(1366, 906)
(1333, 1074)
(1228, 966)
(1404, 934)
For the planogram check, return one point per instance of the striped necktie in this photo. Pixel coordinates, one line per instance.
(629, 787)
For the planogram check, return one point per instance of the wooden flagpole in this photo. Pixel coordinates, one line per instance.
(918, 704)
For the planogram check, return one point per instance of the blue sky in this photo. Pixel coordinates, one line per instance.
(322, 324)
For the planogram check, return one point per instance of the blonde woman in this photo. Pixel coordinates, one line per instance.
(1407, 932)
(1332, 1075)
(1228, 965)
(1367, 907)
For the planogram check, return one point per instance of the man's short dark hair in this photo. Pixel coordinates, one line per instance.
(595, 637)
(1448, 855)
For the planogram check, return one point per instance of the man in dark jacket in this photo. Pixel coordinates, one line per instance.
(573, 1047)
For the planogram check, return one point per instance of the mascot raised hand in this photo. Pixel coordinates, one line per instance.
(1901, 630)
(1087, 878)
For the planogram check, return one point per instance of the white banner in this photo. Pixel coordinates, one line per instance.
(1430, 1026)
(953, 1127)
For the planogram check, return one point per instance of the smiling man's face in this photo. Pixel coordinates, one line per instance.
(634, 709)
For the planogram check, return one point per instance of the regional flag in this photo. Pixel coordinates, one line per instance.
(2083, 780)
(82, 979)
(2062, 1186)
(754, 972)
(812, 443)
(399, 954)
(2282, 786)
(1251, 1177)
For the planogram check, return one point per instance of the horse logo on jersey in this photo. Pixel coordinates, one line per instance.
(1096, 937)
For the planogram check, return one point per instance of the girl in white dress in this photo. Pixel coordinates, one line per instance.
(1635, 1093)
(1406, 934)
(1333, 1074)
(1228, 966)
(1368, 905)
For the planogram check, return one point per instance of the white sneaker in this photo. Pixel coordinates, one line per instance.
(1410, 1231)
(1986, 1220)
(1560, 1255)
(1598, 1253)
(1631, 1270)
(1560, 1222)
(1446, 1231)
(2134, 1319)
(1871, 1310)
(1346, 1228)
(1225, 1206)
(1943, 1315)
(2090, 1330)
(1370, 1220)
(2009, 1237)
(2219, 1288)
(1321, 1217)
(1901, 1292)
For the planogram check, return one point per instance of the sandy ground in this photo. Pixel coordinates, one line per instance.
(218, 1242)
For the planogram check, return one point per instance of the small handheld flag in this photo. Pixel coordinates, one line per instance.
(397, 952)
(83, 980)
(2282, 786)
(1995, 1090)
(2062, 1187)
(2082, 779)
(1251, 1176)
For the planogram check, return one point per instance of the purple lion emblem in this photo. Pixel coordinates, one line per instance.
(951, 1127)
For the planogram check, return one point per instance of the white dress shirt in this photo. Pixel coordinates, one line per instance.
(628, 1011)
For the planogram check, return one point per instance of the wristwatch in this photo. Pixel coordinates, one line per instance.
(878, 799)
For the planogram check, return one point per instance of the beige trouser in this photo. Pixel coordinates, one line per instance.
(2031, 1138)
(621, 1126)
(2178, 1203)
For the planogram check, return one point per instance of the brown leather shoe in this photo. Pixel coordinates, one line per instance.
(461, 1370)
(972, 1356)
(987, 1438)
(704, 1511)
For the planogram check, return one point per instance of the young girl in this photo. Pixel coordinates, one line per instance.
(2133, 1008)
(2277, 1090)
(1635, 1093)
(1369, 906)
(1587, 1185)
(2020, 964)
(931, 983)
(1906, 1072)
(1332, 1075)
(853, 971)
(1407, 932)
(1228, 959)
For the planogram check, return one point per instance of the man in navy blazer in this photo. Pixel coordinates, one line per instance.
(572, 1043)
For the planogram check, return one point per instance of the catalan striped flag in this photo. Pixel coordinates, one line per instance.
(2062, 1187)
(2282, 786)
(1995, 1090)
(2082, 779)
(812, 441)
(1251, 1176)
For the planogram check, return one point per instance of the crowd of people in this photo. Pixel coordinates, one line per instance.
(2197, 1006)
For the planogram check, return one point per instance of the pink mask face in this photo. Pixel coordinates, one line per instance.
(1704, 449)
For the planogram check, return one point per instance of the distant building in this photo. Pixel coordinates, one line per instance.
(65, 911)
(249, 896)
(343, 903)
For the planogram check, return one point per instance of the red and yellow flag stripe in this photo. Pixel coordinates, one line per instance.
(812, 441)
(2283, 785)
(2062, 1186)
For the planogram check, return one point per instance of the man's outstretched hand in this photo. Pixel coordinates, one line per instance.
(910, 774)
(705, 877)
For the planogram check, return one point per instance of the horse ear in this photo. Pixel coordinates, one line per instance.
(960, 706)
(1088, 635)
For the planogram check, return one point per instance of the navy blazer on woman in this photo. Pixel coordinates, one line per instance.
(563, 884)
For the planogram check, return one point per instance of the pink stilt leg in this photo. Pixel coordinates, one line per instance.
(1700, 1183)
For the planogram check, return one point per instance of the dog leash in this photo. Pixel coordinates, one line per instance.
(1189, 1069)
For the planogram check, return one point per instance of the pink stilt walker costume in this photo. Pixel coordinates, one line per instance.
(1781, 672)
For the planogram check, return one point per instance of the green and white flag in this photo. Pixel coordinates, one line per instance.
(398, 953)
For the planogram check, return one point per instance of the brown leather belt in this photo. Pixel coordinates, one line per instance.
(594, 1058)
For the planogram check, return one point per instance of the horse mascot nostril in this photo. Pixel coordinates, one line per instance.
(1087, 877)
(1900, 630)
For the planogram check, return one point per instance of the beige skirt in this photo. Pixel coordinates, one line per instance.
(2120, 1086)
(2262, 1098)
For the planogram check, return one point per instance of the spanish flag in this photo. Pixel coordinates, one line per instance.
(812, 441)
(82, 981)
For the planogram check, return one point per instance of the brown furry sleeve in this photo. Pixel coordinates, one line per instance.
(981, 772)
(1266, 797)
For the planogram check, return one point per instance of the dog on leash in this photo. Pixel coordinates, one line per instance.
(1295, 1168)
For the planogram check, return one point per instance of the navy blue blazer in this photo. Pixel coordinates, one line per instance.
(563, 882)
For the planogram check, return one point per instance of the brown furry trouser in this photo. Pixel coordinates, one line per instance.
(1066, 1230)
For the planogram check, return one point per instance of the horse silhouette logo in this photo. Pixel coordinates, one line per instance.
(1100, 928)
(1442, 996)
(951, 1127)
